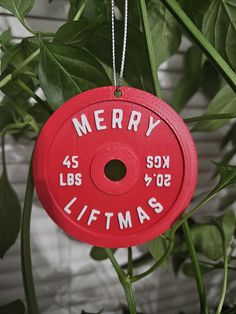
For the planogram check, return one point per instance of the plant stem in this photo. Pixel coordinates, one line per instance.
(42, 34)
(80, 11)
(224, 288)
(11, 76)
(115, 264)
(125, 281)
(196, 268)
(4, 165)
(127, 286)
(9, 128)
(151, 52)
(142, 260)
(175, 227)
(201, 41)
(31, 93)
(130, 262)
(26, 26)
(160, 261)
(218, 265)
(219, 116)
(26, 263)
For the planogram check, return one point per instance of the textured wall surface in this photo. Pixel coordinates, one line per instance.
(66, 278)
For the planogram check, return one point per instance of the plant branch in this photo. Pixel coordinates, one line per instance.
(196, 268)
(114, 262)
(26, 263)
(201, 41)
(127, 286)
(175, 227)
(150, 48)
(130, 262)
(160, 261)
(125, 281)
(5, 131)
(219, 116)
(80, 11)
(217, 265)
(224, 288)
(31, 93)
(11, 76)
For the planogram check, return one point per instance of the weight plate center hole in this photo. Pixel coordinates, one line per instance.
(115, 170)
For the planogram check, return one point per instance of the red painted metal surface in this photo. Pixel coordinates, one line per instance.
(152, 144)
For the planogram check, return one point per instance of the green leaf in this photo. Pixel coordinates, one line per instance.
(137, 68)
(226, 158)
(195, 9)
(75, 33)
(227, 223)
(28, 118)
(38, 113)
(66, 71)
(187, 269)
(6, 115)
(166, 32)
(18, 53)
(177, 261)
(12, 90)
(16, 307)
(210, 80)
(219, 27)
(93, 10)
(20, 8)
(134, 12)
(158, 247)
(10, 215)
(5, 38)
(223, 102)
(190, 82)
(227, 178)
(207, 238)
(99, 254)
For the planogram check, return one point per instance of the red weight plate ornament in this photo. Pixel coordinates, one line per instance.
(115, 171)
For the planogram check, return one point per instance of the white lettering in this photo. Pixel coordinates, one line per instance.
(125, 222)
(99, 120)
(92, 216)
(158, 162)
(134, 120)
(62, 183)
(152, 125)
(142, 215)
(149, 162)
(166, 160)
(83, 127)
(108, 220)
(117, 117)
(70, 179)
(153, 203)
(82, 213)
(78, 180)
(67, 207)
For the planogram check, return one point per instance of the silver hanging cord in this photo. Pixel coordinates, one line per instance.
(118, 82)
